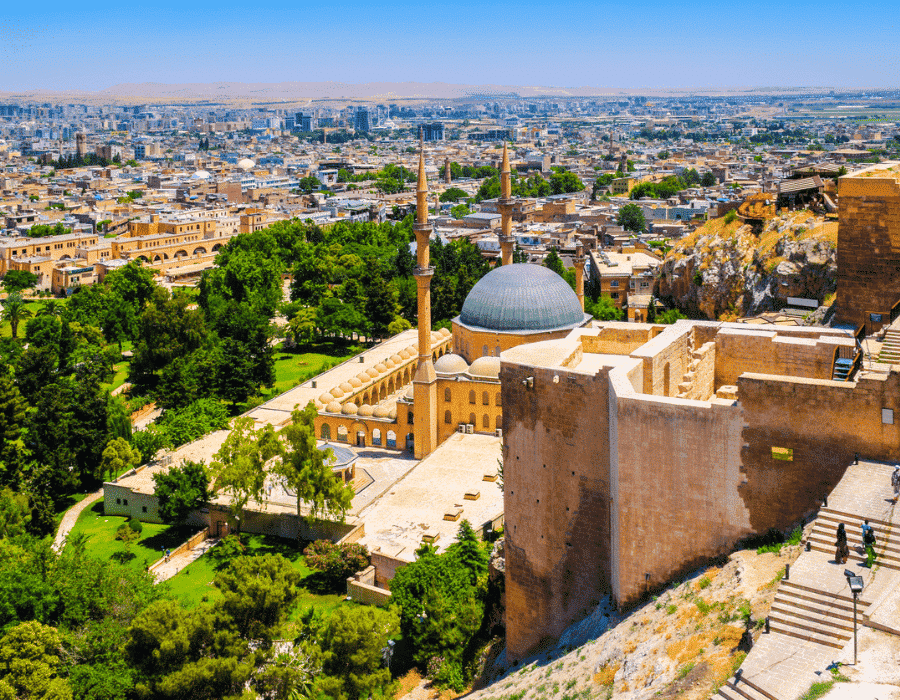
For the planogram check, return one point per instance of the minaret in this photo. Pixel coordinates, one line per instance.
(505, 205)
(579, 272)
(447, 171)
(425, 380)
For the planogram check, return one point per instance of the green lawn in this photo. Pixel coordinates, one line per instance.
(100, 531)
(293, 367)
(193, 584)
(33, 307)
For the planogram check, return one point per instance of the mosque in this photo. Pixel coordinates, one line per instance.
(418, 395)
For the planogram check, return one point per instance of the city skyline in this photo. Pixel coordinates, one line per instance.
(54, 47)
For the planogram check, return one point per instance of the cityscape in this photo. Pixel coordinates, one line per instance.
(369, 382)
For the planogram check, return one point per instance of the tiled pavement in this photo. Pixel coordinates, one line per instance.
(812, 615)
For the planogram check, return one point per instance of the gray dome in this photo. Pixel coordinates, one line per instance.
(521, 297)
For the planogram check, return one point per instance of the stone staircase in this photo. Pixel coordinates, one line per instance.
(890, 349)
(887, 538)
(739, 688)
(811, 615)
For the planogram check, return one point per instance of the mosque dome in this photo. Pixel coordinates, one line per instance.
(337, 393)
(349, 409)
(381, 368)
(522, 297)
(381, 412)
(355, 382)
(334, 407)
(326, 399)
(246, 164)
(396, 359)
(486, 367)
(366, 410)
(346, 387)
(451, 364)
(363, 377)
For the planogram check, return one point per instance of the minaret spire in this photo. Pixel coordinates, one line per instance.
(425, 380)
(505, 205)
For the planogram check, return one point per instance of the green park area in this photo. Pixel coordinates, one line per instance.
(31, 309)
(295, 366)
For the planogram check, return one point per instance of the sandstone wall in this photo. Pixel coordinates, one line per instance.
(556, 500)
(868, 251)
(666, 359)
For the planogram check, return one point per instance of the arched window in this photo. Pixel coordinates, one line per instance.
(410, 417)
(485, 399)
(472, 397)
(446, 416)
(376, 437)
(342, 433)
(447, 394)
(484, 350)
(391, 438)
(498, 423)
(485, 422)
(472, 420)
(497, 399)
(326, 431)
(497, 351)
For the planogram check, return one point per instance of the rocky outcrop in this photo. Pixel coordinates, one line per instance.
(733, 271)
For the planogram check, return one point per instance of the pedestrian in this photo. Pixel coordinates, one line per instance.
(868, 536)
(168, 552)
(841, 550)
(895, 482)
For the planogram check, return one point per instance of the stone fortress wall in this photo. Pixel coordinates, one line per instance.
(623, 471)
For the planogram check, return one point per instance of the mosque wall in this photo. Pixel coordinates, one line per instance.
(556, 500)
(800, 434)
(470, 401)
(472, 344)
(620, 339)
(666, 359)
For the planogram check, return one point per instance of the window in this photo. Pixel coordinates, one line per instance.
(447, 394)
(484, 350)
(124, 501)
(614, 295)
(614, 283)
(342, 433)
(143, 509)
(485, 399)
(485, 422)
(409, 416)
(497, 399)
(471, 397)
(446, 416)
(887, 416)
(326, 431)
(498, 422)
(784, 454)
(472, 420)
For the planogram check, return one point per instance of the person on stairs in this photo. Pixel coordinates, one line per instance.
(895, 482)
(841, 550)
(868, 536)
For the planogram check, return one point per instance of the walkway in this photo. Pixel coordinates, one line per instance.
(811, 618)
(71, 516)
(179, 561)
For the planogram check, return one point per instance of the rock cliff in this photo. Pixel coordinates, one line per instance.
(723, 271)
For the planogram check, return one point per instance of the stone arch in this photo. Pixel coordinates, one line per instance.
(391, 438)
(472, 420)
(216, 247)
(376, 437)
(434, 356)
(180, 254)
(485, 399)
(326, 431)
(498, 422)
(486, 422)
(200, 250)
(409, 417)
(447, 417)
(472, 396)
(157, 258)
(447, 395)
(139, 257)
(382, 393)
(66, 257)
(342, 433)
(359, 434)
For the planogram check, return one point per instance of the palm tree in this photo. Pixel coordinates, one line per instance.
(50, 308)
(14, 311)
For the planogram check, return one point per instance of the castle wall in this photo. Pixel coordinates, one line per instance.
(471, 343)
(868, 250)
(666, 358)
(768, 352)
(556, 500)
(620, 338)
(823, 424)
(676, 501)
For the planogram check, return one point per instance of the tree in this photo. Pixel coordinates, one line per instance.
(631, 218)
(239, 467)
(603, 309)
(453, 194)
(118, 457)
(555, 263)
(31, 662)
(14, 514)
(181, 490)
(306, 471)
(337, 561)
(309, 184)
(17, 280)
(257, 593)
(459, 211)
(12, 419)
(352, 640)
(470, 552)
(15, 311)
(708, 179)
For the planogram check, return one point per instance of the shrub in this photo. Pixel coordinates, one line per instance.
(337, 561)
(136, 525)
(730, 216)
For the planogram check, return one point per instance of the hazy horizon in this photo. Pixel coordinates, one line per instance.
(653, 47)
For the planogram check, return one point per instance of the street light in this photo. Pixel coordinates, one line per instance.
(856, 585)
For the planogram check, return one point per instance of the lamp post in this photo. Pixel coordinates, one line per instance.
(856, 585)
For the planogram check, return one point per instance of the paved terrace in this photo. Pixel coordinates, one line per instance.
(812, 615)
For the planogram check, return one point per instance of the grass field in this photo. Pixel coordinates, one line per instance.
(294, 367)
(100, 531)
(33, 307)
(193, 584)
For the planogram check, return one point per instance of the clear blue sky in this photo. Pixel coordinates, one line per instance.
(651, 44)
